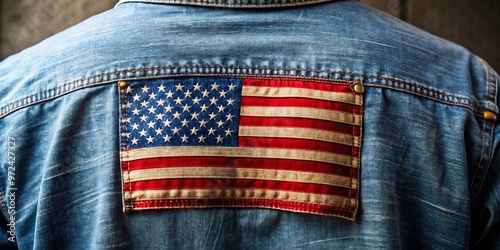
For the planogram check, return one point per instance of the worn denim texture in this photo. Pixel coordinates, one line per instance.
(430, 162)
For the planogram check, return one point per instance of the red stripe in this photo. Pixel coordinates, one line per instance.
(245, 202)
(296, 102)
(297, 123)
(355, 152)
(298, 84)
(356, 131)
(254, 163)
(215, 183)
(354, 173)
(258, 142)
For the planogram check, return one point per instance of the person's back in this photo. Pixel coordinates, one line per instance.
(328, 125)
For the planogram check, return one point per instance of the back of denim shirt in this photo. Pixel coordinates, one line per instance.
(429, 165)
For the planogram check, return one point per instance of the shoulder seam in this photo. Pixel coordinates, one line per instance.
(235, 71)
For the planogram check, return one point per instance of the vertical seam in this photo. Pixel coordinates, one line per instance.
(124, 146)
(491, 99)
(490, 96)
(358, 165)
(482, 154)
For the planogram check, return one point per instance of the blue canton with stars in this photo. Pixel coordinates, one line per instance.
(181, 112)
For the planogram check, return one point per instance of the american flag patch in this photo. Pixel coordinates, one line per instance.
(195, 142)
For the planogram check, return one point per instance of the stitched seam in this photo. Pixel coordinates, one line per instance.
(349, 207)
(358, 173)
(98, 80)
(480, 182)
(482, 153)
(124, 145)
(186, 202)
(352, 150)
(215, 4)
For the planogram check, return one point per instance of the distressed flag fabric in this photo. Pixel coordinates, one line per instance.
(195, 142)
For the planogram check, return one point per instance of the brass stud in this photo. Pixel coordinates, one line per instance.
(358, 87)
(122, 84)
(490, 116)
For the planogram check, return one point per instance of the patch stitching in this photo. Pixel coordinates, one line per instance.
(347, 211)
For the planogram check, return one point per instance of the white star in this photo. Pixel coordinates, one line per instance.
(186, 108)
(176, 130)
(220, 123)
(204, 108)
(136, 97)
(150, 139)
(170, 94)
(223, 93)
(205, 93)
(144, 118)
(135, 141)
(194, 116)
(187, 94)
(143, 132)
(145, 89)
(167, 123)
(215, 86)
(135, 126)
(178, 101)
(213, 101)
(127, 120)
(151, 124)
(127, 135)
(177, 115)
(159, 131)
(221, 108)
(194, 131)
(179, 87)
(212, 116)
(197, 86)
(161, 88)
(144, 103)
(203, 123)
(185, 123)
(152, 110)
(230, 101)
(202, 138)
(159, 116)
(169, 108)
(232, 86)
(152, 96)
(135, 111)
(160, 102)
(229, 117)
(166, 138)
(220, 139)
(129, 90)
(228, 132)
(184, 138)
(211, 131)
(196, 100)
(128, 104)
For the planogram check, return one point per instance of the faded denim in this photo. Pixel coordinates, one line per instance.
(430, 162)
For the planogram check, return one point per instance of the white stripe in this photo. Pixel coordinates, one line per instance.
(281, 92)
(237, 173)
(299, 112)
(273, 153)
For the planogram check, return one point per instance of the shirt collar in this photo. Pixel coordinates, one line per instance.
(233, 3)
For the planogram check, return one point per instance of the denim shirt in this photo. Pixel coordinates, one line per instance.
(408, 121)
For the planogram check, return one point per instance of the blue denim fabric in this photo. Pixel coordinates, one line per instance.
(430, 160)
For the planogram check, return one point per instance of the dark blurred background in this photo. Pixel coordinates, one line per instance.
(475, 24)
